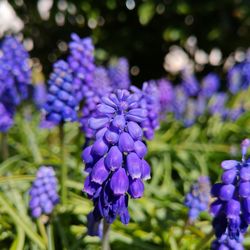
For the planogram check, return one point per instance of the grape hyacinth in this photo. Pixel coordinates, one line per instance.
(216, 105)
(39, 94)
(231, 208)
(210, 85)
(81, 62)
(15, 78)
(115, 160)
(101, 86)
(166, 95)
(149, 100)
(190, 84)
(43, 193)
(119, 74)
(95, 228)
(61, 105)
(197, 200)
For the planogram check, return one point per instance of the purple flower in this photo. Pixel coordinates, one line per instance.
(43, 193)
(61, 104)
(217, 104)
(234, 78)
(94, 227)
(15, 77)
(166, 95)
(115, 160)
(6, 120)
(149, 100)
(210, 84)
(16, 64)
(81, 62)
(180, 102)
(100, 86)
(119, 74)
(190, 84)
(39, 94)
(231, 209)
(197, 200)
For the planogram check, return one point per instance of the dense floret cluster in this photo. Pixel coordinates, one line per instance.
(81, 62)
(15, 78)
(231, 207)
(61, 105)
(115, 160)
(43, 193)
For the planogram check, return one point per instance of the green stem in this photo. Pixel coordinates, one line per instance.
(42, 230)
(63, 163)
(105, 236)
(50, 233)
(4, 146)
(204, 241)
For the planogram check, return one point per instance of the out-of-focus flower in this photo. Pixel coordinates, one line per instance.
(149, 100)
(166, 95)
(101, 86)
(115, 160)
(43, 193)
(39, 94)
(216, 105)
(190, 83)
(119, 74)
(6, 120)
(81, 62)
(197, 200)
(210, 85)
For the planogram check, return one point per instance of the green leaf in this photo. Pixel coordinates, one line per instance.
(20, 222)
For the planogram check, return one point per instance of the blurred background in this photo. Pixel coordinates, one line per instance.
(157, 37)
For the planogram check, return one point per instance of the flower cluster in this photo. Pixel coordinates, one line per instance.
(119, 74)
(190, 84)
(61, 103)
(239, 77)
(81, 62)
(197, 200)
(210, 85)
(16, 62)
(115, 160)
(166, 95)
(43, 193)
(15, 77)
(149, 100)
(100, 86)
(231, 207)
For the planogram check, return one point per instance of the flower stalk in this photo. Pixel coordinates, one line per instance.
(64, 171)
(4, 146)
(105, 236)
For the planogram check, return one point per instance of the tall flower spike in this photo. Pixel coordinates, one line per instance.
(119, 74)
(149, 100)
(81, 62)
(43, 193)
(231, 207)
(112, 176)
(197, 200)
(17, 64)
(61, 105)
